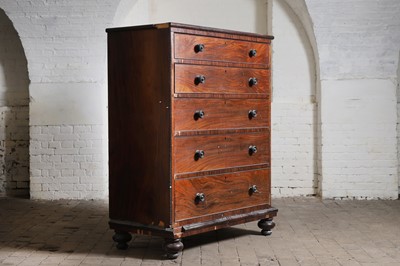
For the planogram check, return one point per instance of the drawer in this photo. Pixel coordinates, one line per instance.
(219, 49)
(210, 152)
(209, 79)
(207, 114)
(212, 194)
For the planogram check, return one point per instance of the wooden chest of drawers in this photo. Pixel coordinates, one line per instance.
(189, 131)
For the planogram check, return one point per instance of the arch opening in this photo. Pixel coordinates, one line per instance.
(14, 113)
(295, 134)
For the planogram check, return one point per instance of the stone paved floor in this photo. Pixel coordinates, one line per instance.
(308, 232)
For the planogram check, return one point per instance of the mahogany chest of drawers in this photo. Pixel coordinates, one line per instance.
(189, 131)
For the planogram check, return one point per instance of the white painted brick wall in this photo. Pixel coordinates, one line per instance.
(68, 162)
(65, 45)
(293, 107)
(14, 113)
(398, 119)
(357, 41)
(293, 149)
(359, 152)
(65, 40)
(358, 51)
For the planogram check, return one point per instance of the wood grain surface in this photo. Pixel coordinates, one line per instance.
(220, 79)
(139, 126)
(222, 193)
(220, 49)
(220, 151)
(220, 113)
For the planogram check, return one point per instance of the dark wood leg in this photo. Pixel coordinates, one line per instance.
(173, 247)
(266, 226)
(122, 238)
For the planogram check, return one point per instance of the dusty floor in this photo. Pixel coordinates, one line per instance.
(309, 231)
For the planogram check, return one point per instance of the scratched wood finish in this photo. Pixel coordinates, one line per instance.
(222, 193)
(220, 151)
(220, 114)
(220, 79)
(220, 49)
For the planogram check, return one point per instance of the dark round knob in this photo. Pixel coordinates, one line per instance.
(252, 149)
(199, 114)
(198, 48)
(253, 189)
(199, 154)
(252, 114)
(200, 197)
(253, 81)
(253, 53)
(199, 79)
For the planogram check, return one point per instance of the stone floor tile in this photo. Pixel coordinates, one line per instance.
(309, 231)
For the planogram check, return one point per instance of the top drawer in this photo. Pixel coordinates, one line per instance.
(218, 49)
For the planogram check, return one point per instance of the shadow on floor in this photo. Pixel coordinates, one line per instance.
(81, 227)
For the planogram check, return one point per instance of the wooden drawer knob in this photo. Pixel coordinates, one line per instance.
(252, 52)
(253, 189)
(200, 197)
(253, 81)
(199, 114)
(198, 48)
(199, 79)
(252, 149)
(199, 154)
(252, 114)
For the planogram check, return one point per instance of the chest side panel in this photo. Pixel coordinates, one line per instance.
(139, 78)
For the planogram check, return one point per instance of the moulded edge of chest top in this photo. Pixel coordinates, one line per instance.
(200, 30)
(224, 33)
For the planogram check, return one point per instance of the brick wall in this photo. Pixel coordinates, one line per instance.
(398, 121)
(65, 45)
(293, 107)
(358, 52)
(14, 113)
(341, 128)
(68, 162)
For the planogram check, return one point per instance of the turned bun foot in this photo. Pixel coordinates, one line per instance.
(122, 238)
(266, 226)
(173, 247)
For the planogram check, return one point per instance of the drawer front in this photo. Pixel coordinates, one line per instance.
(208, 79)
(218, 49)
(207, 114)
(202, 196)
(203, 153)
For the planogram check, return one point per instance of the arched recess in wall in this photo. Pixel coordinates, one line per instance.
(14, 112)
(294, 102)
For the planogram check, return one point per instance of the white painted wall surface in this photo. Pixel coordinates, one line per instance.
(14, 113)
(358, 44)
(357, 54)
(293, 107)
(398, 120)
(242, 15)
(65, 45)
(359, 139)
